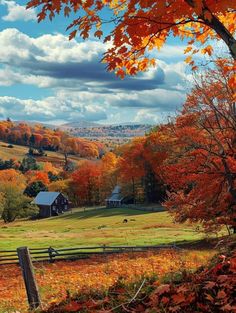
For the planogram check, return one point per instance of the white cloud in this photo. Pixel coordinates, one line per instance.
(17, 12)
(49, 109)
(19, 48)
(80, 86)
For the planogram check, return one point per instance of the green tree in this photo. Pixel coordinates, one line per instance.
(34, 188)
(27, 164)
(14, 202)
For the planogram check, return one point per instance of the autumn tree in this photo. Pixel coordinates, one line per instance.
(200, 166)
(109, 173)
(61, 185)
(131, 165)
(12, 176)
(139, 26)
(86, 182)
(36, 176)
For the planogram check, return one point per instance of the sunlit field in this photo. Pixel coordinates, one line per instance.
(97, 227)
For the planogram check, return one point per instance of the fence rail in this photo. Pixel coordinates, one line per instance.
(51, 254)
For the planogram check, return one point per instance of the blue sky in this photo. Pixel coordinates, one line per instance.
(46, 78)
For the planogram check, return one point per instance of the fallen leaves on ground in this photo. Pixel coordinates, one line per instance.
(98, 273)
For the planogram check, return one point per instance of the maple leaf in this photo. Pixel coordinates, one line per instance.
(188, 49)
(209, 285)
(209, 297)
(146, 25)
(228, 307)
(221, 294)
(72, 34)
(67, 11)
(163, 289)
(178, 298)
(188, 59)
(98, 34)
(73, 307)
(207, 50)
(165, 300)
(222, 278)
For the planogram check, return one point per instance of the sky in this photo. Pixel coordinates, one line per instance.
(44, 77)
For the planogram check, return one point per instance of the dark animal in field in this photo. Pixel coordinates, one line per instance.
(125, 221)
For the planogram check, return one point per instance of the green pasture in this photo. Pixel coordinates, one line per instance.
(97, 227)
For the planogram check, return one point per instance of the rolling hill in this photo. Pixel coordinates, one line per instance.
(19, 152)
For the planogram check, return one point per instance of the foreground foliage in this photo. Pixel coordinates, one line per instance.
(95, 275)
(208, 290)
(139, 26)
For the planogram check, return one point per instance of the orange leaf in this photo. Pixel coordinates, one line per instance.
(72, 34)
(178, 298)
(98, 34)
(163, 289)
(221, 294)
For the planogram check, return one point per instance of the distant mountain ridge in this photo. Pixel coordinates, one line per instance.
(91, 130)
(117, 130)
(80, 124)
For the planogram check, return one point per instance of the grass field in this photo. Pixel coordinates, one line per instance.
(19, 152)
(97, 227)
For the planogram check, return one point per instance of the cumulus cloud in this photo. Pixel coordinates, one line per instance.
(16, 12)
(49, 109)
(63, 61)
(80, 86)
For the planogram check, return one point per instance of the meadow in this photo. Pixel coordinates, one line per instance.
(97, 226)
(19, 152)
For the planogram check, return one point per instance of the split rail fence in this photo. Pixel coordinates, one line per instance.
(51, 254)
(25, 258)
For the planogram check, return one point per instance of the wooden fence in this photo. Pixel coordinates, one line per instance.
(51, 254)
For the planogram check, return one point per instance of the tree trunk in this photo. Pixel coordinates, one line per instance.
(66, 161)
(133, 186)
(218, 27)
(223, 33)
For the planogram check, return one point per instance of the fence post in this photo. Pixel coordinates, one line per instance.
(29, 279)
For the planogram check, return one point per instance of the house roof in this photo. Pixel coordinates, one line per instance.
(117, 189)
(46, 197)
(116, 195)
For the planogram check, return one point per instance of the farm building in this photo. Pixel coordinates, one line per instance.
(51, 203)
(116, 199)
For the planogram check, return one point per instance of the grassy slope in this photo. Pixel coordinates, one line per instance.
(19, 152)
(96, 226)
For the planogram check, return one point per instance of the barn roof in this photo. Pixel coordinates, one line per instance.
(46, 197)
(116, 195)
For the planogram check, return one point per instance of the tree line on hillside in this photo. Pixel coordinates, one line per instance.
(41, 138)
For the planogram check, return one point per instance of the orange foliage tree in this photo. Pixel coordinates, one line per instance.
(197, 153)
(86, 182)
(34, 176)
(109, 173)
(140, 26)
(131, 164)
(14, 177)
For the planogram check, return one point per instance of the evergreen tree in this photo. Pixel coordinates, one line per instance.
(34, 188)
